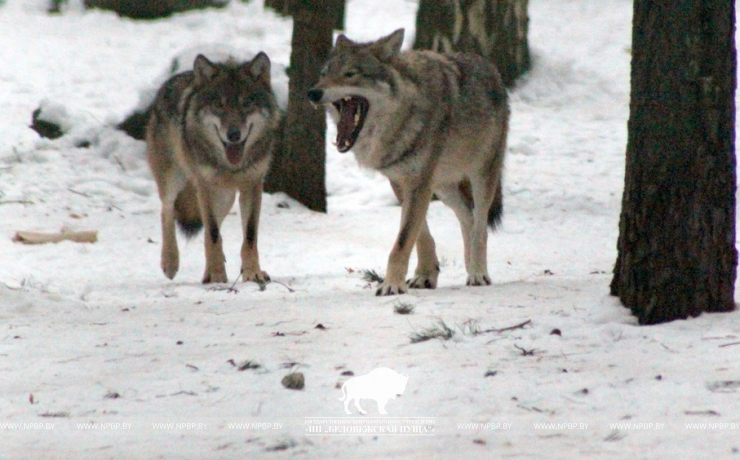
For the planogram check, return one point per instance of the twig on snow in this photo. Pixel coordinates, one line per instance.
(510, 328)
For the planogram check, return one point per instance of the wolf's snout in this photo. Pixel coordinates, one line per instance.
(315, 95)
(234, 135)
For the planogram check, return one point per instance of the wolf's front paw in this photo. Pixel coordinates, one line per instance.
(479, 279)
(170, 263)
(387, 288)
(169, 268)
(423, 282)
(259, 276)
(215, 276)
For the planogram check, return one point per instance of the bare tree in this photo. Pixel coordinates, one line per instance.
(332, 8)
(151, 9)
(495, 29)
(299, 163)
(677, 255)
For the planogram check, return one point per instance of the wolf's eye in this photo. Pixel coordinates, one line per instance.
(350, 74)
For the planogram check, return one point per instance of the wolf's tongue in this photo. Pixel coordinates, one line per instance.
(234, 153)
(346, 124)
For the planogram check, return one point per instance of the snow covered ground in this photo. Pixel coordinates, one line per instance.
(102, 357)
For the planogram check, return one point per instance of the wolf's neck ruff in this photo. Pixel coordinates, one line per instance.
(352, 113)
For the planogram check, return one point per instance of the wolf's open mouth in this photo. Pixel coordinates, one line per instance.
(235, 150)
(352, 112)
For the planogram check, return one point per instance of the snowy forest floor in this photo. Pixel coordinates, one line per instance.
(102, 357)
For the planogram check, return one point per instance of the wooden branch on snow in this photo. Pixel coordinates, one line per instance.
(510, 328)
(43, 238)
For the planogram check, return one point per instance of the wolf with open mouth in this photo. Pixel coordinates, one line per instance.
(210, 134)
(433, 124)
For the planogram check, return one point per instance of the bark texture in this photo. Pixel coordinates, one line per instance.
(676, 248)
(495, 29)
(333, 8)
(299, 164)
(151, 9)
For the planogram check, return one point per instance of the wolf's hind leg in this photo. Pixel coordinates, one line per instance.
(427, 268)
(484, 190)
(458, 197)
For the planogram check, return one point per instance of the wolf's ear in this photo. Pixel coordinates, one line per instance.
(259, 67)
(342, 42)
(390, 45)
(204, 69)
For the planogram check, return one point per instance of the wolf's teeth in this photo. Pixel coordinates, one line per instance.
(347, 99)
(357, 118)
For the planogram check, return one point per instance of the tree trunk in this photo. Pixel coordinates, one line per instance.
(299, 166)
(151, 9)
(280, 6)
(677, 255)
(495, 29)
(333, 8)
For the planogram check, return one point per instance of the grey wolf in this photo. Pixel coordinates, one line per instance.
(433, 124)
(380, 384)
(211, 134)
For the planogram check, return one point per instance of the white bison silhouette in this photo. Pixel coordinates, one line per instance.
(380, 384)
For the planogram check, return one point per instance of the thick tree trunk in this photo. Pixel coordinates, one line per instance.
(333, 8)
(280, 6)
(151, 9)
(677, 255)
(299, 166)
(495, 29)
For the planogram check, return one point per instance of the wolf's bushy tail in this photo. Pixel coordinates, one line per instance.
(496, 211)
(187, 214)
